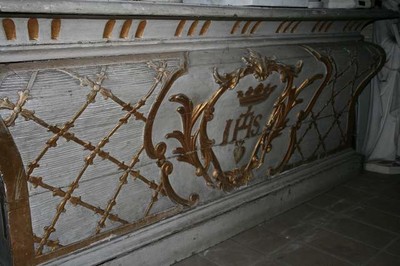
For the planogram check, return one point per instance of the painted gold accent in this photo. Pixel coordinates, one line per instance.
(287, 26)
(33, 29)
(349, 25)
(179, 28)
(295, 26)
(328, 26)
(53, 244)
(126, 27)
(157, 151)
(260, 68)
(150, 219)
(16, 199)
(9, 29)
(196, 148)
(322, 26)
(16, 108)
(278, 30)
(205, 27)
(361, 25)
(246, 27)
(140, 29)
(239, 151)
(235, 26)
(108, 29)
(123, 179)
(192, 28)
(380, 59)
(316, 26)
(55, 28)
(247, 122)
(259, 94)
(255, 27)
(358, 25)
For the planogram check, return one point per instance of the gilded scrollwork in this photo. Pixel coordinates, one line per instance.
(261, 68)
(157, 151)
(195, 146)
(194, 139)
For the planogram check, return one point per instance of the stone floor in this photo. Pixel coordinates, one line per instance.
(357, 223)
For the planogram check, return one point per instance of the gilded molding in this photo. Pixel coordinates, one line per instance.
(205, 27)
(9, 29)
(108, 29)
(55, 28)
(33, 29)
(140, 29)
(124, 34)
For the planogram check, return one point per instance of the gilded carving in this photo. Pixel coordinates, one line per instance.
(179, 28)
(196, 147)
(9, 29)
(16, 108)
(260, 68)
(205, 27)
(108, 29)
(55, 28)
(287, 26)
(192, 28)
(157, 151)
(140, 29)
(33, 29)
(126, 27)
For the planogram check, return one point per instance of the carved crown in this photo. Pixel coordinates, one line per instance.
(257, 95)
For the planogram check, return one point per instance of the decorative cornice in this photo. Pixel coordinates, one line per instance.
(128, 8)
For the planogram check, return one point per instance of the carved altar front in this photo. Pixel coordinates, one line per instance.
(124, 119)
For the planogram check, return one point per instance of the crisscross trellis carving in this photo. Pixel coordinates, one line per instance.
(195, 146)
(354, 86)
(96, 89)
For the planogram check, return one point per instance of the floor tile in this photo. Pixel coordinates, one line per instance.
(384, 259)
(331, 203)
(393, 192)
(390, 206)
(376, 218)
(268, 262)
(230, 253)
(348, 225)
(287, 229)
(361, 232)
(341, 246)
(371, 184)
(297, 221)
(297, 254)
(195, 260)
(349, 194)
(305, 213)
(394, 248)
(260, 239)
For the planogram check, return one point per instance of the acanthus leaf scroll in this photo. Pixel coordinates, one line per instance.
(195, 140)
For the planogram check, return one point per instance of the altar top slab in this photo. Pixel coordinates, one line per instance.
(174, 10)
